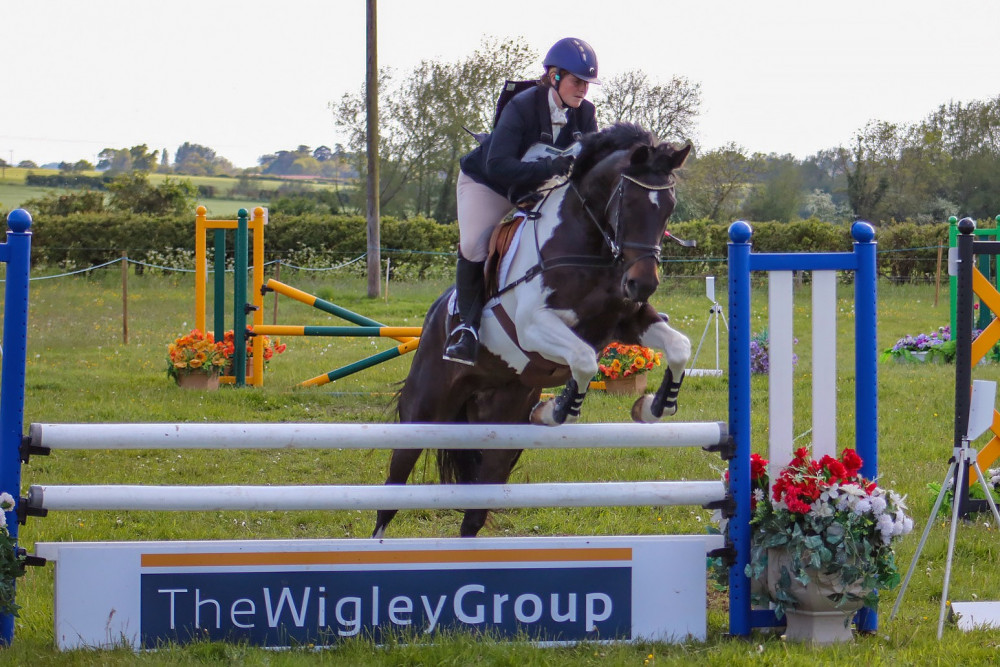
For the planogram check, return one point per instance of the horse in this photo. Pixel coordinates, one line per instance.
(579, 276)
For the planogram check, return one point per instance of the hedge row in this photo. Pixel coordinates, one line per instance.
(907, 251)
(82, 240)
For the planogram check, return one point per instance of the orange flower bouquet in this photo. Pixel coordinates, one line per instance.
(195, 352)
(621, 361)
(271, 347)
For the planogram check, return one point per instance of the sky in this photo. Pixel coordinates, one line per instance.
(250, 77)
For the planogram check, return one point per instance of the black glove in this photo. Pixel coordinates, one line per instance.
(561, 165)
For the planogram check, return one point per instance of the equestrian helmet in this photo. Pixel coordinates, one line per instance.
(575, 56)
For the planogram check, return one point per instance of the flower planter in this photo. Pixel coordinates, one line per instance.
(631, 385)
(198, 381)
(816, 619)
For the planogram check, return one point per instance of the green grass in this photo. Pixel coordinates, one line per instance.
(79, 370)
(14, 192)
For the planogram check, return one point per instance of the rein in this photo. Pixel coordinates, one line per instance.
(610, 240)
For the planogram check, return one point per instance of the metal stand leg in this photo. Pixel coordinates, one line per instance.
(962, 458)
(923, 538)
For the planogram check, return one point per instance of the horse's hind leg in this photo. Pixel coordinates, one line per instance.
(495, 469)
(400, 465)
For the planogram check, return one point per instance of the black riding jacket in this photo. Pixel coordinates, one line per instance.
(525, 121)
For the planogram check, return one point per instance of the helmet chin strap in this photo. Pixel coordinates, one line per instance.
(556, 88)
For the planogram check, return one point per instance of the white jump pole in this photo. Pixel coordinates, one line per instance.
(374, 436)
(463, 496)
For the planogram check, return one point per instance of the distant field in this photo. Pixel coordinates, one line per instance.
(13, 191)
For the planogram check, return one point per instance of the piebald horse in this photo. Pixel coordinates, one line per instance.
(579, 275)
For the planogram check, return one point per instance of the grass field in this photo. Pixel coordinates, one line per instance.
(14, 192)
(79, 370)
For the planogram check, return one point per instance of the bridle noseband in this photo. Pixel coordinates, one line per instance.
(612, 240)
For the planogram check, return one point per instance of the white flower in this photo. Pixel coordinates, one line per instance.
(6, 501)
(878, 505)
(853, 489)
(863, 506)
(758, 494)
(820, 508)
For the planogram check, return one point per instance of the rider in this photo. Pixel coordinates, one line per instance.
(493, 175)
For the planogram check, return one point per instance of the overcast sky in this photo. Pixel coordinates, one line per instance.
(251, 77)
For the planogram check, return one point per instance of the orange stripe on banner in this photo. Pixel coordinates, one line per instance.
(384, 557)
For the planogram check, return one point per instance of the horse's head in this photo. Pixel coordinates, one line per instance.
(626, 183)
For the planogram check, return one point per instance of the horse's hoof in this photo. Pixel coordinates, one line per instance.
(543, 414)
(642, 410)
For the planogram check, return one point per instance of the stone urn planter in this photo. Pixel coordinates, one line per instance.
(816, 618)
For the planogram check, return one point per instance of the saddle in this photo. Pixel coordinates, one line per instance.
(502, 238)
(500, 242)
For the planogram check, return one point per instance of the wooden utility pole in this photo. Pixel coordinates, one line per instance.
(371, 95)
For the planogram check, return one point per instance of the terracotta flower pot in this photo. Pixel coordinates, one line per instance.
(199, 381)
(631, 385)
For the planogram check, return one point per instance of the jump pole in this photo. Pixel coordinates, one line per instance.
(408, 337)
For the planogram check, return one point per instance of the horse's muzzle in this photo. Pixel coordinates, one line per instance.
(637, 289)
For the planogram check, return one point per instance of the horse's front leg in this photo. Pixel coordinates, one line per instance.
(677, 350)
(553, 339)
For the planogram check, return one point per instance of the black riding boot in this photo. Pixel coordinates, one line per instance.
(463, 342)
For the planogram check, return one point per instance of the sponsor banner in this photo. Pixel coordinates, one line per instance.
(319, 592)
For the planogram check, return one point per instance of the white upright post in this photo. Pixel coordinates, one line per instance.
(781, 390)
(824, 363)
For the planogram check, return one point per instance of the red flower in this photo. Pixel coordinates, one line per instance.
(852, 461)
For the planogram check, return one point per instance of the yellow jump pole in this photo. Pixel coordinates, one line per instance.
(327, 307)
(200, 267)
(257, 227)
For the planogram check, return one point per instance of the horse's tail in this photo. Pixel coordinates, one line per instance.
(458, 466)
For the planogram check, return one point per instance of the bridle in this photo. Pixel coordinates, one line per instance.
(611, 240)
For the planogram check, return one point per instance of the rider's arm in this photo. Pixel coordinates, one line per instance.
(514, 133)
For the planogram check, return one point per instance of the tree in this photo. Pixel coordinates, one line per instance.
(198, 160)
(778, 191)
(121, 160)
(423, 117)
(165, 162)
(970, 136)
(133, 192)
(715, 183)
(668, 110)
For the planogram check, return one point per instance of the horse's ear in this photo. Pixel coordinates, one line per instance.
(640, 155)
(679, 156)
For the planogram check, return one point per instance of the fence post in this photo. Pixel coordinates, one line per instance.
(17, 253)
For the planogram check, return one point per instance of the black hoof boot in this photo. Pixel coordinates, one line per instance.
(463, 346)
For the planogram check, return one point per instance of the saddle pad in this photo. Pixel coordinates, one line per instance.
(503, 239)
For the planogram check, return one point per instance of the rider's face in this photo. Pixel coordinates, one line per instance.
(572, 89)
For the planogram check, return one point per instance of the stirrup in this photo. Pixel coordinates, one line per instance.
(465, 348)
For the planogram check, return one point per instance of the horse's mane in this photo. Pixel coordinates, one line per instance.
(596, 146)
